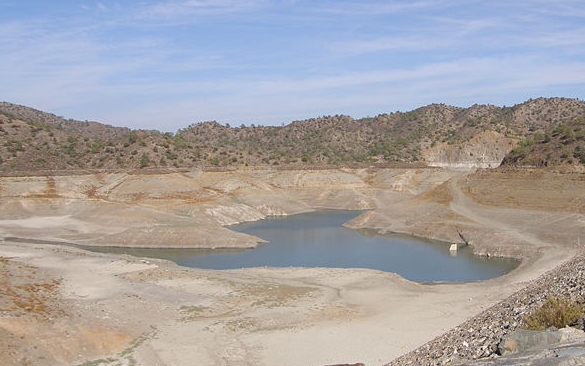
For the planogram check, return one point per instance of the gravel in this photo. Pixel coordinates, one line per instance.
(479, 336)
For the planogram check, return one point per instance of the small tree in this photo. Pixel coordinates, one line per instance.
(132, 137)
(144, 161)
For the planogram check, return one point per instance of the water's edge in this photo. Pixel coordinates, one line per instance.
(318, 239)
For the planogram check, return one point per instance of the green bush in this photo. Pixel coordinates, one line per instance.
(554, 312)
(144, 161)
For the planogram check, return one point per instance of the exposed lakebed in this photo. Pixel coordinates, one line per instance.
(318, 239)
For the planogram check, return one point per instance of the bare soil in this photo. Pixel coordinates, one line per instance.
(62, 305)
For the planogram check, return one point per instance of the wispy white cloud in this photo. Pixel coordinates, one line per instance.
(169, 63)
(404, 43)
(378, 8)
(101, 7)
(462, 82)
(173, 9)
(556, 38)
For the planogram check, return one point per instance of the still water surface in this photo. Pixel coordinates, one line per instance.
(317, 239)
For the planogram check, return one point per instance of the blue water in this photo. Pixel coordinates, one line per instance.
(317, 239)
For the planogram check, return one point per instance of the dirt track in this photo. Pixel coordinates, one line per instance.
(119, 310)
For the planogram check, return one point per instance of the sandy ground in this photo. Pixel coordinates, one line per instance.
(66, 306)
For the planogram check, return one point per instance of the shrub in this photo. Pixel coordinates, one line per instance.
(14, 146)
(554, 313)
(144, 161)
(132, 137)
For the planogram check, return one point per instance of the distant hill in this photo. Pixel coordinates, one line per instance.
(539, 132)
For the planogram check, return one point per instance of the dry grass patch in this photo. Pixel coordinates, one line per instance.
(24, 291)
(555, 312)
(272, 295)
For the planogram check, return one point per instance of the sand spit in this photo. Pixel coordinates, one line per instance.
(66, 306)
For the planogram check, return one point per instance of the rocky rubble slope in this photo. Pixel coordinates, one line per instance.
(480, 336)
(555, 347)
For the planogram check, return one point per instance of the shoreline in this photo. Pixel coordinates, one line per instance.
(124, 310)
(460, 345)
(275, 311)
(116, 250)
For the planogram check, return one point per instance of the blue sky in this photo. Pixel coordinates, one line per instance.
(164, 64)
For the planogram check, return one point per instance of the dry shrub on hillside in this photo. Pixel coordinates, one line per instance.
(555, 312)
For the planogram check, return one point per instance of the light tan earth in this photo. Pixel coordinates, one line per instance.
(61, 305)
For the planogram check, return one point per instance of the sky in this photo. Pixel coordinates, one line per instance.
(166, 64)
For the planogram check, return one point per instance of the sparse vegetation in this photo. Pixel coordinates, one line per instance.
(560, 144)
(552, 132)
(144, 161)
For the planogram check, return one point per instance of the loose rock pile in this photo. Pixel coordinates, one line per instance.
(561, 354)
(479, 336)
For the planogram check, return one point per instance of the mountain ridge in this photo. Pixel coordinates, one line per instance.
(527, 134)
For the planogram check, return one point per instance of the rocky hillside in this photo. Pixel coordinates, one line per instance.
(561, 144)
(538, 132)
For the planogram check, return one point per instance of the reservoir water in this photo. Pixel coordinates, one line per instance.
(317, 239)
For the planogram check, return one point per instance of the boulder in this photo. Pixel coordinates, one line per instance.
(522, 340)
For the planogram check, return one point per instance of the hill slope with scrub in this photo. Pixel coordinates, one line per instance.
(539, 132)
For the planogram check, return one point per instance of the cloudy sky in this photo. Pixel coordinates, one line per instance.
(165, 64)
